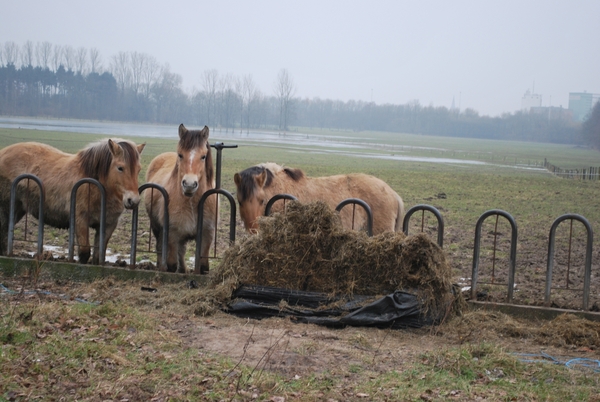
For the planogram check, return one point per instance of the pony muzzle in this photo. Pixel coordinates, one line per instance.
(131, 200)
(189, 186)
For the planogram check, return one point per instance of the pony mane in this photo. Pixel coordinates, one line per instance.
(191, 139)
(292, 173)
(96, 158)
(247, 183)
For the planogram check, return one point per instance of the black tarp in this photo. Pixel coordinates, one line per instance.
(396, 310)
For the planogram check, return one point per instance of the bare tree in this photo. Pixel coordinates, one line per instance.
(43, 51)
(249, 92)
(135, 67)
(210, 80)
(239, 90)
(68, 57)
(11, 53)
(119, 68)
(81, 60)
(27, 53)
(285, 90)
(95, 60)
(150, 73)
(227, 90)
(167, 91)
(57, 57)
(1, 55)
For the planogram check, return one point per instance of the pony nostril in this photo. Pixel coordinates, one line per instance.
(195, 184)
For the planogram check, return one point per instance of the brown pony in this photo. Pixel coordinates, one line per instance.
(115, 163)
(256, 185)
(185, 175)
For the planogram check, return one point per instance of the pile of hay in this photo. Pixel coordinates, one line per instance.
(566, 330)
(308, 249)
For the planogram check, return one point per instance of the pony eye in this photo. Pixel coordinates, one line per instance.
(203, 157)
(120, 168)
(180, 156)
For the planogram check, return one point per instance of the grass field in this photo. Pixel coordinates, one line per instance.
(133, 345)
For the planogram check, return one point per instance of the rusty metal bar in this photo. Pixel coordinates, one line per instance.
(434, 211)
(11, 217)
(494, 249)
(513, 252)
(588, 257)
(276, 198)
(201, 222)
(569, 251)
(366, 207)
(102, 228)
(134, 225)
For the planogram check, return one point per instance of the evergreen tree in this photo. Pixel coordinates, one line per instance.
(591, 127)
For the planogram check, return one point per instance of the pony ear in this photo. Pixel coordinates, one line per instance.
(237, 179)
(261, 178)
(140, 147)
(182, 130)
(114, 148)
(204, 133)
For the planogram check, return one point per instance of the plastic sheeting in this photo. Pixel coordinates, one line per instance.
(396, 310)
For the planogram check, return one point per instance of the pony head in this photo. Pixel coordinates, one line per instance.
(194, 160)
(116, 164)
(254, 189)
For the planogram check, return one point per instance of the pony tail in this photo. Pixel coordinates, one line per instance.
(210, 170)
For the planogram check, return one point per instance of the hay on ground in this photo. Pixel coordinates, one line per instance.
(308, 249)
(566, 330)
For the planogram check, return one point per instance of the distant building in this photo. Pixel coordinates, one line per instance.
(530, 100)
(553, 112)
(580, 104)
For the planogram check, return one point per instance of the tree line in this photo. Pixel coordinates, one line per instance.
(60, 81)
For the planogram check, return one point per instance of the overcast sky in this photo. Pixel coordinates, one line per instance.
(483, 54)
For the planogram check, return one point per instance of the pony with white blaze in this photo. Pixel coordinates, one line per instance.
(186, 175)
(258, 184)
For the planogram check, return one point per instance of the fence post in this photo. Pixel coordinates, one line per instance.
(165, 235)
(513, 252)
(423, 207)
(276, 198)
(217, 191)
(11, 216)
(366, 207)
(72, 215)
(588, 257)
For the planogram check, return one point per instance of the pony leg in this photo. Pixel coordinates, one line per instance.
(108, 231)
(208, 234)
(172, 256)
(83, 239)
(159, 251)
(182, 268)
(4, 218)
(158, 235)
